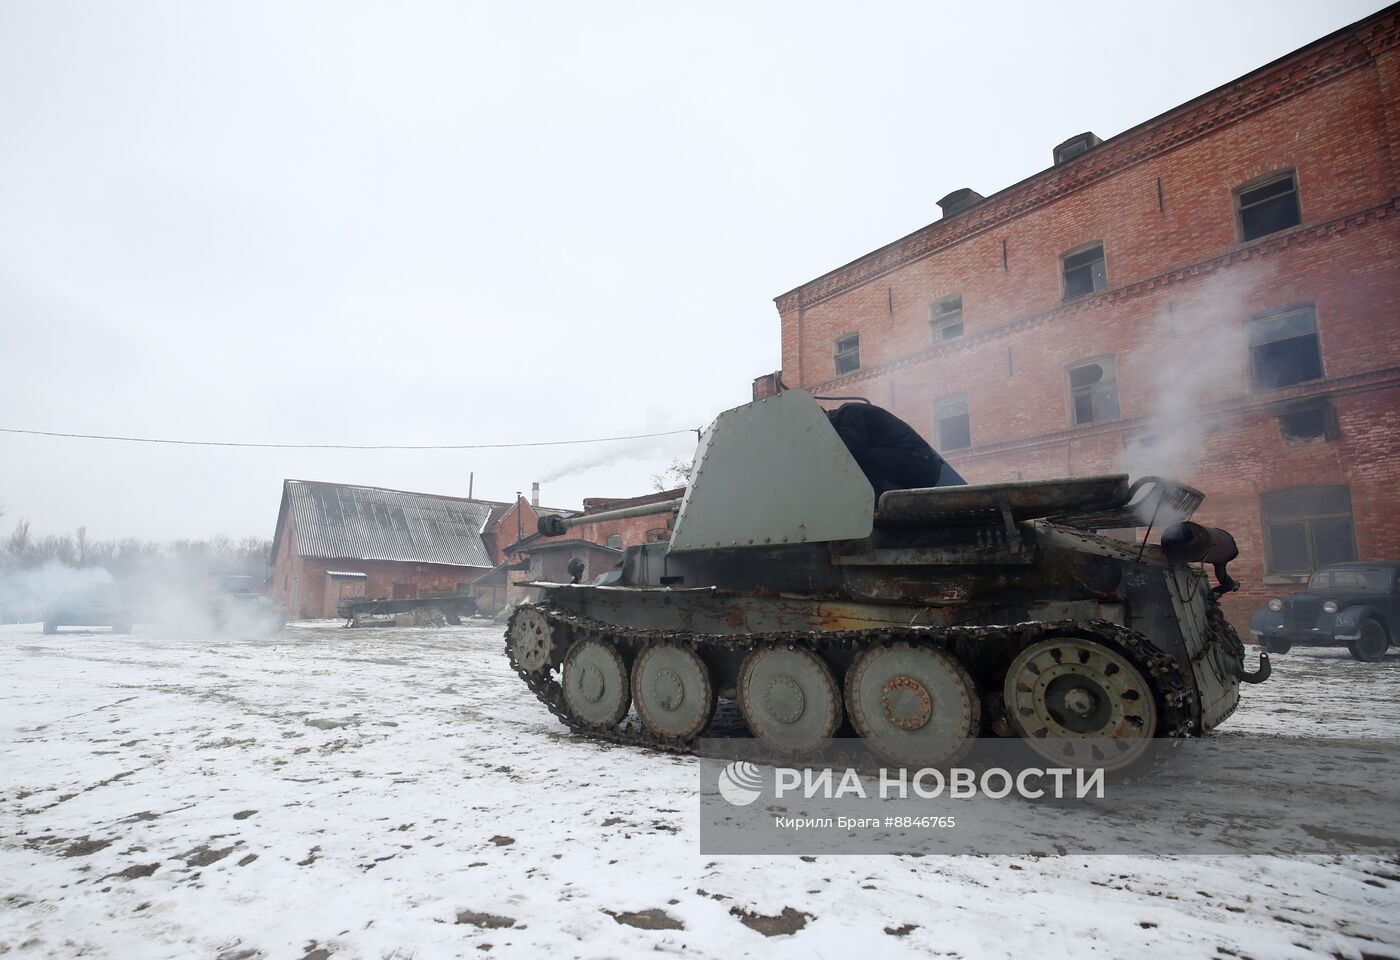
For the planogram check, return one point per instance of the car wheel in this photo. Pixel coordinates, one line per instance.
(1278, 645)
(1371, 645)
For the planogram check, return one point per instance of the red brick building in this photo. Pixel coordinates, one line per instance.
(335, 541)
(599, 545)
(1213, 294)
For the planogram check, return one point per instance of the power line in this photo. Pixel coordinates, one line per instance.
(345, 446)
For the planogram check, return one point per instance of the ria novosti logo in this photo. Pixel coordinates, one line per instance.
(740, 783)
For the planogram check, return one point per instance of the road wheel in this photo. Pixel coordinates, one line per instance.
(1277, 645)
(1372, 643)
(1073, 698)
(671, 686)
(789, 699)
(595, 684)
(914, 705)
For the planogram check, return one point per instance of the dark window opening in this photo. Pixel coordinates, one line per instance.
(1093, 391)
(1084, 272)
(1283, 348)
(946, 318)
(1303, 423)
(615, 542)
(848, 354)
(1269, 207)
(952, 428)
(1307, 527)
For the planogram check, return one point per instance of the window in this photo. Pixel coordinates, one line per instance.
(1093, 391)
(1084, 271)
(658, 534)
(1361, 580)
(1306, 422)
(1269, 205)
(1283, 348)
(946, 319)
(952, 430)
(615, 541)
(848, 354)
(1307, 527)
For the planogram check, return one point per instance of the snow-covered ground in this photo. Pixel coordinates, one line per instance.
(399, 793)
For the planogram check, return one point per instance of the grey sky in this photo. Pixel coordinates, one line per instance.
(453, 223)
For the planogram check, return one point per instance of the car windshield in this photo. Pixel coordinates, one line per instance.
(1353, 580)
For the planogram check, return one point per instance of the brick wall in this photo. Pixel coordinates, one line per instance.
(1181, 287)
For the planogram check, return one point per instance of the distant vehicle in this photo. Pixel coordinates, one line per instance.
(236, 607)
(1353, 604)
(94, 605)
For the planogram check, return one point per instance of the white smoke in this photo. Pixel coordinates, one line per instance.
(28, 594)
(646, 448)
(1197, 354)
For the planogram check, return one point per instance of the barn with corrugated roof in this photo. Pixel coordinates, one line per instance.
(335, 541)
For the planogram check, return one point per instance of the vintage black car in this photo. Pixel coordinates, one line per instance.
(1352, 604)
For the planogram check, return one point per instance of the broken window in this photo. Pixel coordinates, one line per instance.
(1307, 527)
(1283, 348)
(1304, 422)
(1268, 206)
(952, 429)
(946, 318)
(1084, 271)
(848, 354)
(1093, 391)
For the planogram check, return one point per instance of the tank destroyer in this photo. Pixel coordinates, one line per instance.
(830, 573)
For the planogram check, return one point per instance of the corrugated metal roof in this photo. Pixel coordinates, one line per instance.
(337, 521)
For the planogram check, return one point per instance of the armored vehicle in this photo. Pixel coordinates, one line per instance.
(88, 605)
(829, 568)
(236, 609)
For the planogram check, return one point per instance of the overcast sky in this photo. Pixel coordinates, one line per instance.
(477, 223)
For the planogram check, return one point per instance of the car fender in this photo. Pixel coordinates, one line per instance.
(1259, 623)
(1348, 619)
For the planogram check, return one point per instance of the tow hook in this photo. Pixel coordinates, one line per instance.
(1258, 676)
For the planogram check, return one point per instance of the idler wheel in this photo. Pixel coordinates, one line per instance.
(789, 699)
(531, 639)
(595, 684)
(914, 705)
(672, 689)
(1075, 699)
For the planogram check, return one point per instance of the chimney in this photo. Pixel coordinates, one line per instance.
(1074, 146)
(535, 494)
(959, 200)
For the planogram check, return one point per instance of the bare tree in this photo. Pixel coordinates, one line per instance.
(18, 544)
(676, 474)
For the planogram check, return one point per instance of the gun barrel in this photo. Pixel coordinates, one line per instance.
(552, 526)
